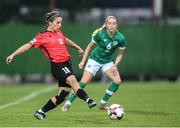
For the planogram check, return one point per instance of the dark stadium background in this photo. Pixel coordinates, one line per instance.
(153, 40)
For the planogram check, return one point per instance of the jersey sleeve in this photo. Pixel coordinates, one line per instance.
(123, 42)
(95, 36)
(36, 41)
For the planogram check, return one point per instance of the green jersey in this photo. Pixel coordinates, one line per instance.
(106, 46)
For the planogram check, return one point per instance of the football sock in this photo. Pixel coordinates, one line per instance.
(82, 94)
(82, 85)
(61, 97)
(72, 96)
(48, 106)
(109, 92)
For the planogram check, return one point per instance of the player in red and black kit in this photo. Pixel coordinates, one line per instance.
(53, 43)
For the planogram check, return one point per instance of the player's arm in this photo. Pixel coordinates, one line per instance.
(86, 54)
(72, 44)
(119, 56)
(20, 50)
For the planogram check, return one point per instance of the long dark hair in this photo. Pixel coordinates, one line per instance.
(50, 16)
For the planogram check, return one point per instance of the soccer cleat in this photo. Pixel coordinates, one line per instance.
(91, 103)
(39, 115)
(65, 107)
(103, 106)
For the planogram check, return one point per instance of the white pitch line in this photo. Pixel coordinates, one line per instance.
(28, 97)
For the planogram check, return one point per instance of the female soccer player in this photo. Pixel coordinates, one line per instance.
(107, 39)
(52, 43)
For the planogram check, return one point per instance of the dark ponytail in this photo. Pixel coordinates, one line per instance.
(50, 16)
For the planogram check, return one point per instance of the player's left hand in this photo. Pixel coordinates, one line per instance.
(81, 64)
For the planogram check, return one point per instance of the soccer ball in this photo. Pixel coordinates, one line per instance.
(115, 112)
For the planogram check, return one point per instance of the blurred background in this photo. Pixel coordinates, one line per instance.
(151, 28)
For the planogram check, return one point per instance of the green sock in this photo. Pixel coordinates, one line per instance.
(72, 96)
(109, 92)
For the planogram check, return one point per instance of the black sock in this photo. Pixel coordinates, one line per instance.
(61, 97)
(82, 94)
(48, 106)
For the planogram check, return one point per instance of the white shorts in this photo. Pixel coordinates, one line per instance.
(92, 66)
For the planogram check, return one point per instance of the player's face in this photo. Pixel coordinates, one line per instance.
(111, 25)
(56, 24)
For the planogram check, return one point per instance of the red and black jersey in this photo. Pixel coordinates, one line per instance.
(52, 44)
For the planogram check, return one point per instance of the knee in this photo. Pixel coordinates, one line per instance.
(86, 78)
(117, 81)
(71, 80)
(84, 81)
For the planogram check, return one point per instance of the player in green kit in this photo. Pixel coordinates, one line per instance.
(106, 39)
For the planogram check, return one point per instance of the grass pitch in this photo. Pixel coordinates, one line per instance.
(151, 104)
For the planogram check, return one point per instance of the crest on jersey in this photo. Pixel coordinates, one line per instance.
(115, 42)
(60, 41)
(105, 40)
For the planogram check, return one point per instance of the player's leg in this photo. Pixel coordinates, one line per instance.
(72, 95)
(71, 80)
(67, 72)
(87, 76)
(52, 103)
(60, 72)
(90, 70)
(113, 74)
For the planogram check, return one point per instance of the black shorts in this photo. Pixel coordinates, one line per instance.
(61, 71)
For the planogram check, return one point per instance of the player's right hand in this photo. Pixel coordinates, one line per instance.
(81, 65)
(9, 59)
